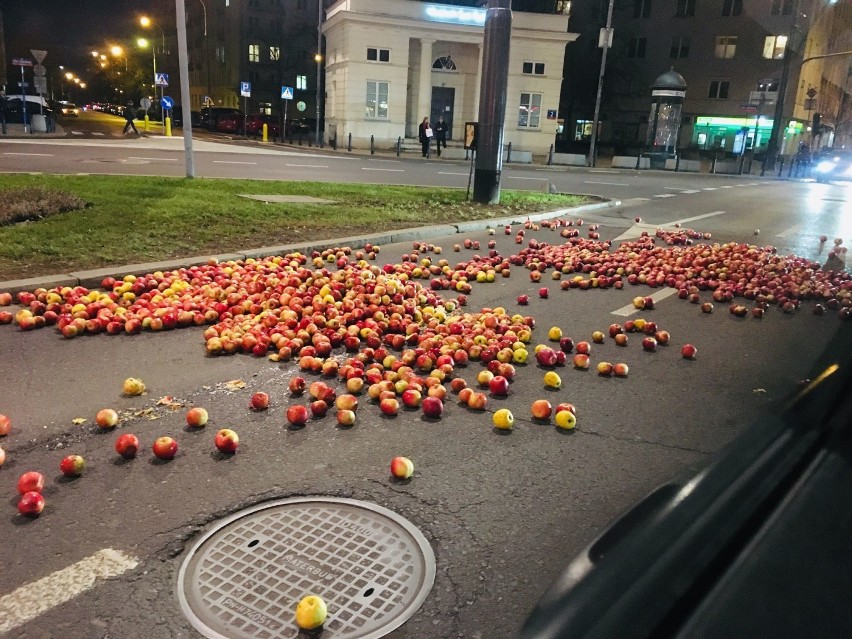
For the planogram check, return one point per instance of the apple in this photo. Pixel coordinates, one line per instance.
(346, 402)
(31, 504)
(757, 312)
(411, 398)
(541, 409)
(649, 344)
(297, 415)
(604, 369)
(554, 334)
(402, 467)
(319, 408)
(2, 456)
(499, 386)
(259, 401)
(311, 612)
(30, 481)
(457, 384)
(688, 351)
(565, 420)
(165, 448)
(72, 465)
(297, 385)
(565, 406)
(620, 369)
(226, 441)
(133, 386)
(639, 303)
(127, 445)
(503, 419)
(581, 361)
(106, 418)
(552, 379)
(354, 385)
(598, 337)
(484, 377)
(546, 357)
(432, 407)
(566, 344)
(662, 337)
(615, 329)
(707, 307)
(584, 348)
(523, 300)
(477, 401)
(345, 417)
(5, 425)
(389, 406)
(620, 339)
(196, 417)
(543, 292)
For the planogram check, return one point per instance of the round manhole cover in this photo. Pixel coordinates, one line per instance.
(243, 579)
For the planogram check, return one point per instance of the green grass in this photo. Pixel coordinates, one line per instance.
(142, 219)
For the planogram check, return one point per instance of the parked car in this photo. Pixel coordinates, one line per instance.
(15, 108)
(177, 117)
(832, 164)
(230, 123)
(300, 128)
(210, 116)
(254, 125)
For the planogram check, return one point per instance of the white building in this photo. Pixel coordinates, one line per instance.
(390, 63)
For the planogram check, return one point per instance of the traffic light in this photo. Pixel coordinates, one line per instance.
(816, 123)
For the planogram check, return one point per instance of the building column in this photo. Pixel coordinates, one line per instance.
(424, 95)
(478, 85)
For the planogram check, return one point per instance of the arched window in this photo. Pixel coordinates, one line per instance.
(444, 63)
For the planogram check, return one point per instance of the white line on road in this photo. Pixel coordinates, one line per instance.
(380, 160)
(231, 162)
(697, 217)
(709, 188)
(76, 133)
(41, 155)
(627, 311)
(518, 177)
(601, 171)
(790, 231)
(367, 168)
(673, 188)
(451, 173)
(689, 191)
(97, 133)
(33, 599)
(662, 195)
(130, 157)
(309, 166)
(606, 183)
(727, 186)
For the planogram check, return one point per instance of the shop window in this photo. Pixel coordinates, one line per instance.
(274, 53)
(254, 53)
(774, 46)
(719, 89)
(680, 47)
(533, 68)
(302, 82)
(732, 7)
(377, 100)
(529, 112)
(636, 47)
(641, 8)
(726, 46)
(781, 7)
(685, 8)
(378, 55)
(444, 63)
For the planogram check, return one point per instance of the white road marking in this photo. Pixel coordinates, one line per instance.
(367, 168)
(97, 133)
(790, 231)
(601, 171)
(673, 188)
(727, 186)
(451, 173)
(662, 195)
(130, 157)
(627, 311)
(518, 177)
(41, 155)
(76, 133)
(231, 162)
(309, 166)
(689, 191)
(606, 183)
(380, 160)
(33, 599)
(709, 188)
(697, 217)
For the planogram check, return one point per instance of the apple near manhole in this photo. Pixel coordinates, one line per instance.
(31, 481)
(259, 401)
(196, 417)
(227, 441)
(311, 612)
(72, 465)
(688, 351)
(31, 504)
(165, 448)
(402, 467)
(5, 425)
(297, 415)
(106, 418)
(127, 445)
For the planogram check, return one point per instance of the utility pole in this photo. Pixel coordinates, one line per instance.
(605, 42)
(318, 58)
(183, 65)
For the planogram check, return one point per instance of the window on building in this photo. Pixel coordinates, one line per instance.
(274, 53)
(718, 89)
(378, 55)
(685, 8)
(774, 46)
(732, 7)
(254, 53)
(636, 47)
(533, 68)
(641, 8)
(220, 54)
(680, 47)
(529, 113)
(445, 63)
(227, 3)
(377, 100)
(781, 7)
(726, 46)
(302, 82)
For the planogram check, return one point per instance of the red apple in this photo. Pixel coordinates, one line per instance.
(297, 415)
(523, 300)
(106, 418)
(662, 337)
(649, 344)
(543, 292)
(565, 406)
(411, 398)
(401, 467)
(319, 408)
(72, 465)
(620, 369)
(499, 386)
(477, 401)
(620, 339)
(259, 401)
(165, 448)
(127, 445)
(566, 344)
(547, 356)
(5, 425)
(581, 361)
(196, 417)
(345, 417)
(346, 402)
(605, 369)
(227, 441)
(30, 481)
(297, 385)
(31, 504)
(432, 407)
(389, 406)
(542, 409)
(688, 351)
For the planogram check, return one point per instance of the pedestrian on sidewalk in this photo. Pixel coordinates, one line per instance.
(425, 135)
(129, 116)
(441, 134)
(3, 111)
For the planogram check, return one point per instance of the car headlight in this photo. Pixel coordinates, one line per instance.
(825, 167)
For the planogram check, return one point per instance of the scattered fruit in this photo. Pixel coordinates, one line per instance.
(402, 467)
(196, 417)
(552, 379)
(127, 445)
(311, 612)
(259, 401)
(5, 425)
(565, 419)
(30, 481)
(688, 351)
(227, 441)
(503, 419)
(165, 448)
(133, 387)
(106, 418)
(72, 465)
(31, 504)
(541, 409)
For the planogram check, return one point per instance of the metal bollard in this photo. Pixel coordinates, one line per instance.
(372, 145)
(677, 163)
(398, 145)
(780, 166)
(509, 153)
(790, 168)
(638, 161)
(349, 148)
(713, 166)
(550, 156)
(334, 143)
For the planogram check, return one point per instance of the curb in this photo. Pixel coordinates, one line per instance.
(93, 278)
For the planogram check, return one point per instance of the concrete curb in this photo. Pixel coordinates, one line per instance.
(93, 278)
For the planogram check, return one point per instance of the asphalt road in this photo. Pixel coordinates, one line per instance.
(503, 513)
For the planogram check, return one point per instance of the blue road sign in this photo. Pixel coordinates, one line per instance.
(245, 89)
(167, 102)
(161, 79)
(286, 93)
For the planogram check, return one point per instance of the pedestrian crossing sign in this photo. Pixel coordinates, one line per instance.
(286, 93)
(161, 79)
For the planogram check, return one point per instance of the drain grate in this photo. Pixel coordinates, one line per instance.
(243, 579)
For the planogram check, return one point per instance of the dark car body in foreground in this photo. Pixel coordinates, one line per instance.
(755, 545)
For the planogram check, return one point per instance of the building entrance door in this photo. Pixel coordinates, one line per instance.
(443, 99)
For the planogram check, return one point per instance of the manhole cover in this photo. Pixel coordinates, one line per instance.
(244, 578)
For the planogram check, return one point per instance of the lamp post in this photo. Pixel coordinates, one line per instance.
(318, 60)
(146, 22)
(207, 51)
(142, 43)
(605, 42)
(117, 51)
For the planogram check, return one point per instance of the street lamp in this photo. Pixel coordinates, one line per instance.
(117, 51)
(318, 60)
(143, 43)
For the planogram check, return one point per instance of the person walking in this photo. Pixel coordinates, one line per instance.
(3, 111)
(129, 116)
(425, 135)
(441, 134)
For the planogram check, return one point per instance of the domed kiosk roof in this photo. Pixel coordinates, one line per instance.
(671, 79)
